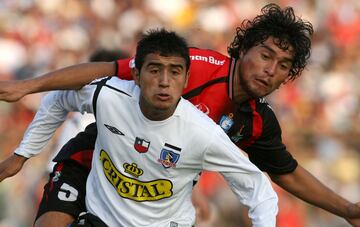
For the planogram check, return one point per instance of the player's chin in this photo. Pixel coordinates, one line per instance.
(260, 92)
(257, 94)
(165, 105)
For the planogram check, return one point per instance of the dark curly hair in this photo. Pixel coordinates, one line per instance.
(286, 29)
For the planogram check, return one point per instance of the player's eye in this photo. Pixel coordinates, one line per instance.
(265, 56)
(175, 72)
(154, 71)
(285, 66)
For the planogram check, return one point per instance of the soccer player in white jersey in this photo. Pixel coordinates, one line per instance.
(152, 144)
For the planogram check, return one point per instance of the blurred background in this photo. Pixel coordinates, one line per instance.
(319, 112)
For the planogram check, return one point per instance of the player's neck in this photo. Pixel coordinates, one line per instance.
(239, 95)
(155, 114)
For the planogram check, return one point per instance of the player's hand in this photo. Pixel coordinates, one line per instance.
(11, 91)
(11, 166)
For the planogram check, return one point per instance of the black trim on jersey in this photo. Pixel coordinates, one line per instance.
(173, 147)
(111, 87)
(196, 91)
(99, 85)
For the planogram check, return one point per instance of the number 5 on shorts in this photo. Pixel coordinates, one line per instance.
(67, 193)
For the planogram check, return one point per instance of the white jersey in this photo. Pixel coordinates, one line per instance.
(142, 171)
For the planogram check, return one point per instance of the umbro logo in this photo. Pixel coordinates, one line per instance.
(114, 130)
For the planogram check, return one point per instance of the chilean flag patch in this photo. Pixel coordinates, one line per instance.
(141, 145)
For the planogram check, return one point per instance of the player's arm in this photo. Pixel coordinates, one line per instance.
(36, 137)
(51, 114)
(68, 78)
(271, 156)
(11, 166)
(248, 183)
(305, 186)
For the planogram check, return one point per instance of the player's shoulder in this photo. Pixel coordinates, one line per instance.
(127, 86)
(196, 118)
(263, 107)
(116, 85)
(208, 57)
(268, 116)
(260, 111)
(207, 64)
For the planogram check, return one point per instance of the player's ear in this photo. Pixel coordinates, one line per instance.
(136, 75)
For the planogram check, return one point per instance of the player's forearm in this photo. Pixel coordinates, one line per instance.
(69, 78)
(11, 166)
(306, 187)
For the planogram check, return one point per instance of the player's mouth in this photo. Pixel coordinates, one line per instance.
(163, 97)
(262, 83)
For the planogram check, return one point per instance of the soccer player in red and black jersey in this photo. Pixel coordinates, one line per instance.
(268, 51)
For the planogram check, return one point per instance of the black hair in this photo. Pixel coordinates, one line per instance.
(286, 29)
(163, 42)
(108, 55)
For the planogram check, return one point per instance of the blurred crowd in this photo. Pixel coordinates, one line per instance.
(319, 112)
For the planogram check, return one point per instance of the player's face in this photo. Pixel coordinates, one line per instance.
(161, 80)
(263, 68)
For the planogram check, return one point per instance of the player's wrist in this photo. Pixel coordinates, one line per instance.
(352, 210)
(20, 88)
(20, 158)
